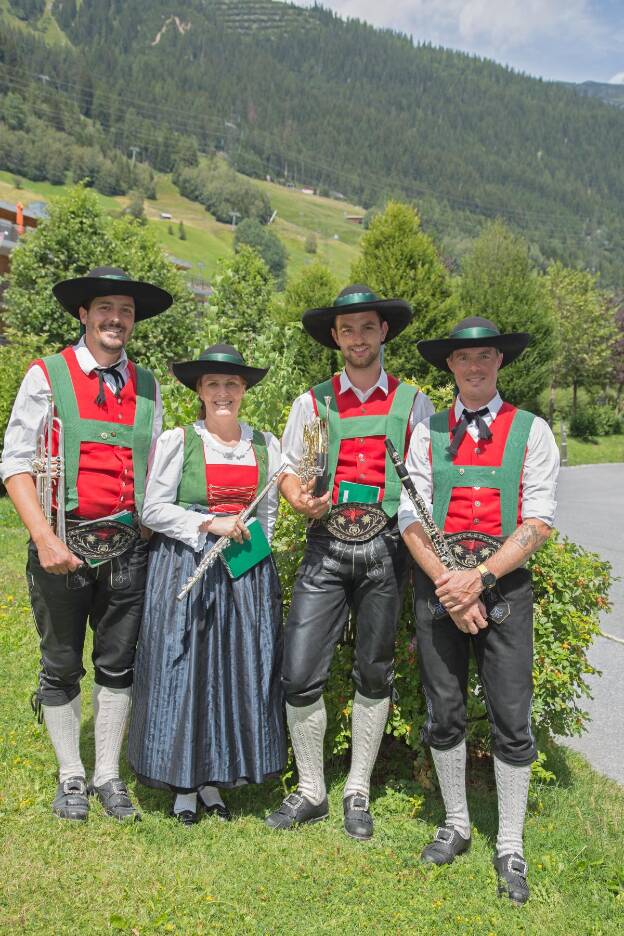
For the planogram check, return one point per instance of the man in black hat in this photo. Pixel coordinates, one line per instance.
(107, 415)
(354, 558)
(489, 472)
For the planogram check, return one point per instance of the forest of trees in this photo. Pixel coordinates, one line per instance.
(305, 96)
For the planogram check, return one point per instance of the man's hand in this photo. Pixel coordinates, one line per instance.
(458, 590)
(54, 556)
(233, 527)
(472, 620)
(301, 499)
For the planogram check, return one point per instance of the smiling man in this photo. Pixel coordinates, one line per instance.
(489, 472)
(111, 415)
(354, 558)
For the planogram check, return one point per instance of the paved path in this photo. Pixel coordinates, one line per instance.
(591, 512)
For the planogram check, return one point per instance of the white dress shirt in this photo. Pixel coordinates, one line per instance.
(539, 474)
(31, 406)
(161, 513)
(302, 413)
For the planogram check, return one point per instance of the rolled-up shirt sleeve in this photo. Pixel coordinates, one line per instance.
(419, 468)
(540, 474)
(25, 424)
(301, 414)
(160, 512)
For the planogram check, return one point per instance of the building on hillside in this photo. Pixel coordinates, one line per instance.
(15, 220)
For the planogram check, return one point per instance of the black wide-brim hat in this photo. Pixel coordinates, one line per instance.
(358, 298)
(475, 332)
(149, 300)
(218, 359)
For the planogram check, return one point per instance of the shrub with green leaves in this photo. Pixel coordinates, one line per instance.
(75, 238)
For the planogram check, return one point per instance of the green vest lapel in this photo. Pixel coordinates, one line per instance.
(392, 426)
(506, 478)
(192, 487)
(137, 437)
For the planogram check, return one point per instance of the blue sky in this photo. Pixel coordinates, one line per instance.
(566, 40)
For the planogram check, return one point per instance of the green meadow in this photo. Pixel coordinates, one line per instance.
(157, 877)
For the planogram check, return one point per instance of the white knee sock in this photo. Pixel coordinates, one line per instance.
(63, 724)
(512, 788)
(367, 728)
(184, 802)
(110, 713)
(451, 770)
(307, 725)
(210, 796)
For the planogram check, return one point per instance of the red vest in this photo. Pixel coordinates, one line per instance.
(362, 460)
(105, 472)
(230, 488)
(473, 508)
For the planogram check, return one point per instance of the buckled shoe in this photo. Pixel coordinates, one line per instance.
(297, 810)
(511, 871)
(114, 797)
(221, 812)
(71, 800)
(358, 822)
(446, 846)
(186, 817)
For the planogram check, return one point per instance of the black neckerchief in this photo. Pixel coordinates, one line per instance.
(119, 382)
(459, 430)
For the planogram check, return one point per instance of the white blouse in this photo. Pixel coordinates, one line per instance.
(162, 514)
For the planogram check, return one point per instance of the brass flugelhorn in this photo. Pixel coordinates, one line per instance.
(314, 460)
(49, 471)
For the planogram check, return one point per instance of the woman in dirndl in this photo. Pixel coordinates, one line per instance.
(207, 708)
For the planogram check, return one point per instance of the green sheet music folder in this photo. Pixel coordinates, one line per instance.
(238, 558)
(351, 493)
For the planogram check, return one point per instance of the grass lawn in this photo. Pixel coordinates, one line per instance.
(208, 241)
(603, 449)
(157, 877)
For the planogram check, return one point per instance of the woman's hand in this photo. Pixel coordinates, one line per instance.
(233, 527)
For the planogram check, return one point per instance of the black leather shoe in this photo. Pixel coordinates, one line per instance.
(297, 810)
(511, 871)
(114, 797)
(185, 816)
(446, 846)
(221, 812)
(358, 822)
(71, 800)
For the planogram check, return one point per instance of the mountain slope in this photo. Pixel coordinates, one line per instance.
(299, 93)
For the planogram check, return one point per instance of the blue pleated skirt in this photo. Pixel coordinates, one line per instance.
(207, 701)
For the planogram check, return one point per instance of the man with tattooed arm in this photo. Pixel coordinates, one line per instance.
(489, 472)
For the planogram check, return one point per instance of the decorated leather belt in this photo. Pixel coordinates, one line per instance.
(470, 548)
(100, 540)
(353, 523)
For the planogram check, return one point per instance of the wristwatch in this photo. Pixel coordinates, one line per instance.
(488, 578)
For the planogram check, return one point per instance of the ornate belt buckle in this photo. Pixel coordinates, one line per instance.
(100, 540)
(356, 523)
(471, 549)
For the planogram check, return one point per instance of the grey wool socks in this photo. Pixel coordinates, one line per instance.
(367, 728)
(451, 770)
(307, 725)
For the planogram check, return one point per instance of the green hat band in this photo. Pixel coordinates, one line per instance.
(477, 331)
(111, 276)
(354, 298)
(220, 358)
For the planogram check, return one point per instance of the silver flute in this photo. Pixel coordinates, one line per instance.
(214, 552)
(438, 540)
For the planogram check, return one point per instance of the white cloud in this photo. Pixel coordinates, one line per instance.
(507, 23)
(538, 32)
